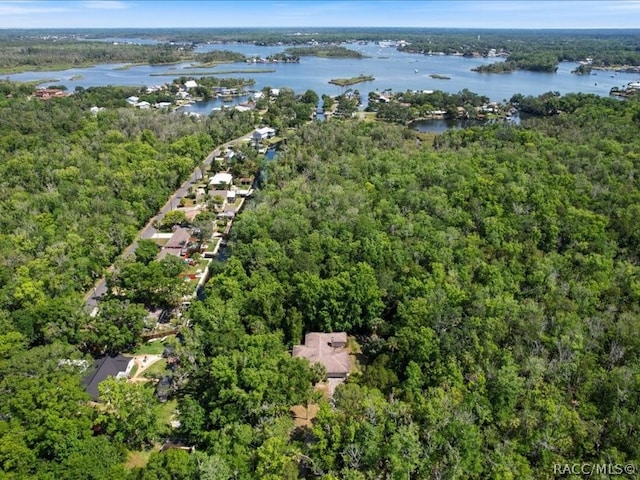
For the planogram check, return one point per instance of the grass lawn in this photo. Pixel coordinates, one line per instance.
(166, 413)
(153, 348)
(156, 370)
(138, 459)
(200, 265)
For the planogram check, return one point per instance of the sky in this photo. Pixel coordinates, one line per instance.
(317, 13)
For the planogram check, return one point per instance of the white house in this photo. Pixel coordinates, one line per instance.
(133, 100)
(221, 178)
(263, 133)
(190, 84)
(143, 105)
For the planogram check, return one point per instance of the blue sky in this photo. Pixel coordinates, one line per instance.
(315, 13)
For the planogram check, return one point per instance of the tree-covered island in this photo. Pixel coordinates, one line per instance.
(346, 82)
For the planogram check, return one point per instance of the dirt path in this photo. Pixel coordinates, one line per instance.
(143, 362)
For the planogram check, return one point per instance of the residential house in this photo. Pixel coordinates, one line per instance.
(221, 181)
(46, 93)
(177, 244)
(329, 350)
(260, 134)
(229, 156)
(118, 367)
(189, 84)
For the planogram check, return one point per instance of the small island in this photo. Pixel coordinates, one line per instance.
(324, 51)
(439, 77)
(345, 82)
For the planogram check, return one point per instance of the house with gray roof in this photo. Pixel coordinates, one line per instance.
(105, 367)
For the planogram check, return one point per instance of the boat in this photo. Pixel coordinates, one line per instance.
(415, 71)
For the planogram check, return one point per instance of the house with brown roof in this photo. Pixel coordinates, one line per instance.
(46, 93)
(177, 244)
(330, 351)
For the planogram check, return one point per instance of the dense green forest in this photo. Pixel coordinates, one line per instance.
(491, 280)
(329, 51)
(489, 277)
(534, 50)
(38, 54)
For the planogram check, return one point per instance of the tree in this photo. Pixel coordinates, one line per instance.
(130, 413)
(116, 327)
(173, 464)
(146, 251)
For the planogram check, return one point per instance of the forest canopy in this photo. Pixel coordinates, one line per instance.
(488, 279)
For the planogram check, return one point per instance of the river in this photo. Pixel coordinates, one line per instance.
(392, 69)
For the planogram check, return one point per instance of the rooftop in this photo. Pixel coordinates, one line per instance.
(221, 178)
(105, 367)
(327, 349)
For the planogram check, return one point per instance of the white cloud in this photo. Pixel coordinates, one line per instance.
(105, 4)
(29, 8)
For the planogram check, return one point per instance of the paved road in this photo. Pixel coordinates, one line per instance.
(100, 288)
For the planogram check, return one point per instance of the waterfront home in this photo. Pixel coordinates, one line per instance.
(189, 84)
(260, 134)
(46, 93)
